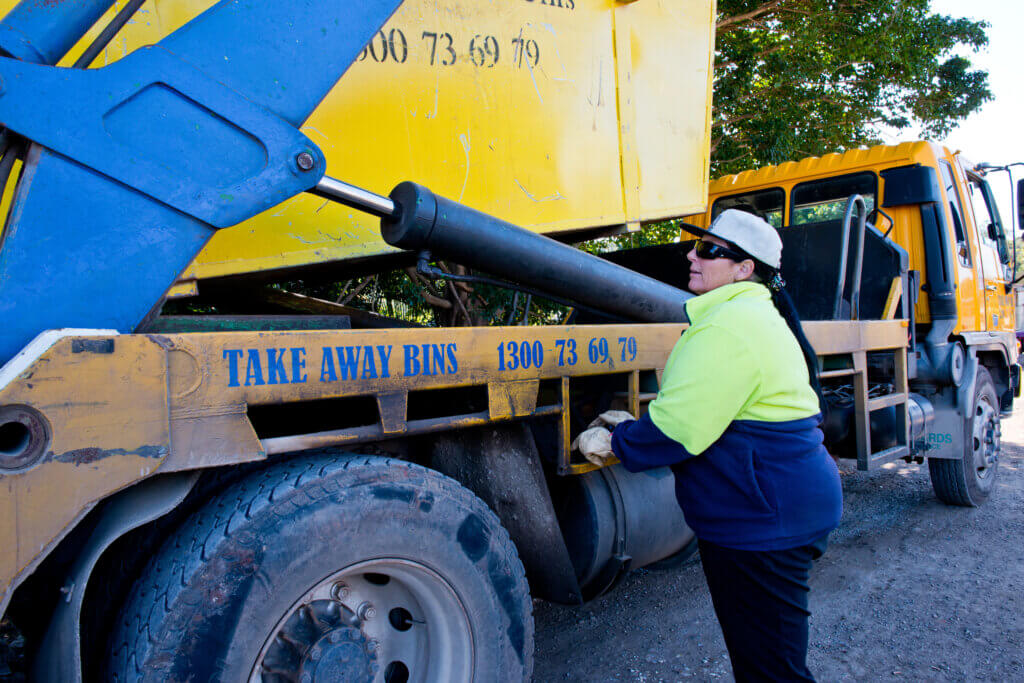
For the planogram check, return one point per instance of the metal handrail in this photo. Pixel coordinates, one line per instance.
(854, 200)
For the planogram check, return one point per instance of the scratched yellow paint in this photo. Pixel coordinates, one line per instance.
(555, 115)
(456, 357)
(108, 416)
(234, 368)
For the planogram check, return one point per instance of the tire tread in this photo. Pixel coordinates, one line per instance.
(950, 477)
(164, 585)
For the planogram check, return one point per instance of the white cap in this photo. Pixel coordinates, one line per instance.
(753, 235)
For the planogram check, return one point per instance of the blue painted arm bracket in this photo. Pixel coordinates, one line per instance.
(137, 162)
(155, 123)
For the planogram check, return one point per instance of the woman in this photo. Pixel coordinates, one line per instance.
(737, 419)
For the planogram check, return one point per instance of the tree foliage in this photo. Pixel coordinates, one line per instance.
(796, 78)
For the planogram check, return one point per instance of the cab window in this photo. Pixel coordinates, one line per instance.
(986, 217)
(768, 204)
(956, 209)
(825, 199)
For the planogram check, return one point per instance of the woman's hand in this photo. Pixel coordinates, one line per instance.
(612, 418)
(595, 444)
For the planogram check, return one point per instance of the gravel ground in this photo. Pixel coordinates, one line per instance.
(909, 589)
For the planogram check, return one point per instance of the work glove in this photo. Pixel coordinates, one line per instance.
(612, 418)
(595, 444)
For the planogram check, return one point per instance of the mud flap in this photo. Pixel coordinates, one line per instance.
(502, 467)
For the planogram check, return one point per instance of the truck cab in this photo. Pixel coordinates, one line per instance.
(815, 190)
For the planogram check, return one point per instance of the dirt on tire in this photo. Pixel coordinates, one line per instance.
(910, 589)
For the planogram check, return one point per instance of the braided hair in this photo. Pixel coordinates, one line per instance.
(772, 279)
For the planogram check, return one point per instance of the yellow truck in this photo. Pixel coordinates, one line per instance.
(339, 495)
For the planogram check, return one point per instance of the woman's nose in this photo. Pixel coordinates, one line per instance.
(692, 255)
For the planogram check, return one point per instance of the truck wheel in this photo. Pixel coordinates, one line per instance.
(969, 481)
(332, 569)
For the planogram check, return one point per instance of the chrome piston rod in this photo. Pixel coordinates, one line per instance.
(356, 197)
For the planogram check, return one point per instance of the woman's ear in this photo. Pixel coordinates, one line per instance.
(745, 270)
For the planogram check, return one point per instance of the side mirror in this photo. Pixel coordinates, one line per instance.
(991, 230)
(1020, 205)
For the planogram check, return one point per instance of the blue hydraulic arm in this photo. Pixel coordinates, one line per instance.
(135, 165)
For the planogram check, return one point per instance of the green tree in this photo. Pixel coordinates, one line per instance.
(796, 78)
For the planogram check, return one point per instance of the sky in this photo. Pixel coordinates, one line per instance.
(995, 134)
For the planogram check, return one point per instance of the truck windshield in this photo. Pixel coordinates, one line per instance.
(825, 199)
(766, 203)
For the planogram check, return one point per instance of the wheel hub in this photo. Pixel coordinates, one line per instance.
(342, 654)
(322, 640)
(380, 620)
(986, 439)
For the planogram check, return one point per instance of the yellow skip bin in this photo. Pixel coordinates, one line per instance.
(556, 115)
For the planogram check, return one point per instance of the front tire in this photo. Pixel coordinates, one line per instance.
(328, 568)
(969, 481)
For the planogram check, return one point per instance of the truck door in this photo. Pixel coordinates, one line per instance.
(995, 257)
(970, 292)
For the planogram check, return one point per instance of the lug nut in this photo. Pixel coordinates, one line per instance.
(372, 646)
(305, 161)
(315, 652)
(366, 611)
(340, 591)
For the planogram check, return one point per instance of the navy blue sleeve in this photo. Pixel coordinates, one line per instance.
(640, 445)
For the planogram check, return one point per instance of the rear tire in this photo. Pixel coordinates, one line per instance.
(328, 568)
(968, 481)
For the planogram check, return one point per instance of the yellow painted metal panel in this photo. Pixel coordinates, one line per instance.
(269, 368)
(511, 107)
(907, 232)
(264, 368)
(671, 53)
(108, 415)
(789, 173)
(970, 292)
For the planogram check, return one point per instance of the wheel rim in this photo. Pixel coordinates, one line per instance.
(388, 620)
(986, 437)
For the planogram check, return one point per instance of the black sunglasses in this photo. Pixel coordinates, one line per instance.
(710, 250)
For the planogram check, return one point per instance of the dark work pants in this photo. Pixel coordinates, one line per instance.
(760, 598)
